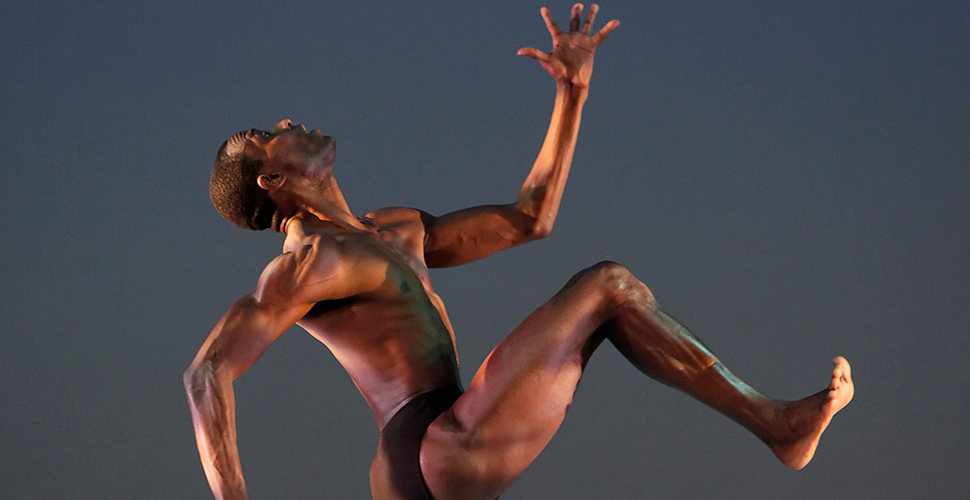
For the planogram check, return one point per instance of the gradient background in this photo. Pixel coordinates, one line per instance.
(792, 182)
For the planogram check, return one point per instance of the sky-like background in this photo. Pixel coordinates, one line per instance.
(792, 180)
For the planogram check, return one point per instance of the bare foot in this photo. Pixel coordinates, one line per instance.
(807, 418)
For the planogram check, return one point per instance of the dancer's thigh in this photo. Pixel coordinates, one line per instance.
(520, 394)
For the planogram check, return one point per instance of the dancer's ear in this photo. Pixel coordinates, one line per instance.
(270, 182)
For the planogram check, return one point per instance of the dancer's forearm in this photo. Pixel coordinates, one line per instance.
(212, 402)
(542, 191)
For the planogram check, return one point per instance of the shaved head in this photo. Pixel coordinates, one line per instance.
(234, 191)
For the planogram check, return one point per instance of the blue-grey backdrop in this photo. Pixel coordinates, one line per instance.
(791, 180)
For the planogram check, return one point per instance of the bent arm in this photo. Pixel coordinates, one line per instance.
(287, 289)
(467, 235)
(470, 234)
(240, 338)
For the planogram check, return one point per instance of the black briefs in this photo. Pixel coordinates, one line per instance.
(401, 439)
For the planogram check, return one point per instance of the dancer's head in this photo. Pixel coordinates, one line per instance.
(256, 173)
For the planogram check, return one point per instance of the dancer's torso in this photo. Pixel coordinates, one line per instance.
(394, 339)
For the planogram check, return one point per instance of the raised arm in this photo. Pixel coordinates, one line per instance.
(571, 64)
(470, 234)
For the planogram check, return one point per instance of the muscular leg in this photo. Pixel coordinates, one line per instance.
(518, 398)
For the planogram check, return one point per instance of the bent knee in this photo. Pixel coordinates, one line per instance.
(616, 283)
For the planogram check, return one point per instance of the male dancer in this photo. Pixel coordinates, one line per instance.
(360, 285)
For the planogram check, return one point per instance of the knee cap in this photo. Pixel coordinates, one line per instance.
(619, 282)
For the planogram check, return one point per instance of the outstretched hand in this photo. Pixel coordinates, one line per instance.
(571, 59)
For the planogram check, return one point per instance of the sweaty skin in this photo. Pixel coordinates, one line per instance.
(360, 285)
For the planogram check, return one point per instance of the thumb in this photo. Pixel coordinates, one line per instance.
(534, 53)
